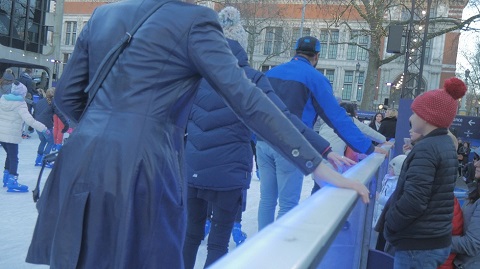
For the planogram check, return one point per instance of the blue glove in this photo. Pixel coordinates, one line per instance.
(47, 132)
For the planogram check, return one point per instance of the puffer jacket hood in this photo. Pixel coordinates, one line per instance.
(9, 102)
(239, 52)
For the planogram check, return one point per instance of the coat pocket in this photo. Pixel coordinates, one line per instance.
(68, 237)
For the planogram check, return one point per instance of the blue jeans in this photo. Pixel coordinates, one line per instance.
(46, 143)
(280, 180)
(420, 259)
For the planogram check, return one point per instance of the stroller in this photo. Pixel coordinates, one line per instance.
(49, 158)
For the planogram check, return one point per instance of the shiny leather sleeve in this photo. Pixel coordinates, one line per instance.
(318, 142)
(211, 56)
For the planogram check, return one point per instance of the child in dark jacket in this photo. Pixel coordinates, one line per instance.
(44, 111)
(418, 215)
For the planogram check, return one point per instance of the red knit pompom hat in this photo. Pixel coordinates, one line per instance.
(439, 107)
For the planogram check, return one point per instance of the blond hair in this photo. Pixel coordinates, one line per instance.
(50, 93)
(391, 113)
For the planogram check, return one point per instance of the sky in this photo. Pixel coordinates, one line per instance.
(468, 39)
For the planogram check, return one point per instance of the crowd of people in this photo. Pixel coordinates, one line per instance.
(21, 112)
(149, 202)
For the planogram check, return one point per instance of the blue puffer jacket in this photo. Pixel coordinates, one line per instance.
(218, 151)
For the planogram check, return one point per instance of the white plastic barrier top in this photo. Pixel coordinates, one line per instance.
(296, 239)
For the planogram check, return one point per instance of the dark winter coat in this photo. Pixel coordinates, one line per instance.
(115, 198)
(44, 113)
(419, 213)
(388, 127)
(218, 153)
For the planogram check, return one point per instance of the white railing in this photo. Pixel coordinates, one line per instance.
(301, 238)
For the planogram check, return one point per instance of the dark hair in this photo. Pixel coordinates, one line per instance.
(350, 108)
(310, 54)
(473, 191)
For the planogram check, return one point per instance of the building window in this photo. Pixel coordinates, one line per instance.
(273, 41)
(329, 74)
(70, 32)
(347, 85)
(296, 36)
(360, 82)
(66, 56)
(265, 68)
(356, 52)
(328, 44)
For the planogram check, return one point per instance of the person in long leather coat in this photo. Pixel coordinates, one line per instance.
(116, 196)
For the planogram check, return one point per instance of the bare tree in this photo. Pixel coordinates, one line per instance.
(374, 17)
(470, 72)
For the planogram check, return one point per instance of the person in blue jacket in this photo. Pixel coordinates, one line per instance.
(116, 197)
(306, 93)
(218, 154)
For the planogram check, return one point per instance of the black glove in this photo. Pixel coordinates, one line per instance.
(65, 129)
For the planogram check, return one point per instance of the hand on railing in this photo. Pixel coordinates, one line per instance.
(325, 173)
(338, 161)
(381, 151)
(361, 190)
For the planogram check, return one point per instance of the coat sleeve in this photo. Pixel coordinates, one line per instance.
(369, 132)
(60, 115)
(28, 119)
(211, 57)
(318, 142)
(414, 197)
(70, 97)
(469, 243)
(336, 117)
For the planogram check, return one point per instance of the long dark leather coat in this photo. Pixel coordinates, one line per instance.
(115, 198)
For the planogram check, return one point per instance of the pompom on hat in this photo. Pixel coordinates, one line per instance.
(230, 21)
(439, 107)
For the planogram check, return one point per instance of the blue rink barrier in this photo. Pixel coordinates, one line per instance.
(330, 229)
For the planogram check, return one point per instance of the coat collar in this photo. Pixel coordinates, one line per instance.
(437, 132)
(301, 59)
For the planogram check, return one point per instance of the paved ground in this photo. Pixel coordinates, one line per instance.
(18, 212)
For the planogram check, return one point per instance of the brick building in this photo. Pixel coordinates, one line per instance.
(274, 26)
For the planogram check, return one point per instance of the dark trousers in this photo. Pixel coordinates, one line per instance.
(11, 163)
(315, 188)
(221, 227)
(254, 150)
